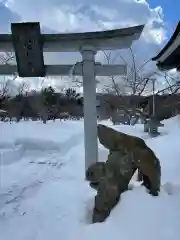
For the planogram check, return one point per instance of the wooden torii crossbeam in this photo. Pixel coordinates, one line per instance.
(28, 44)
(64, 70)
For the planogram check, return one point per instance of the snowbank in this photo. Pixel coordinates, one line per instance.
(44, 196)
(52, 132)
(10, 155)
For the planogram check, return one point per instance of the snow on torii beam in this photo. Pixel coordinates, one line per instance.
(88, 44)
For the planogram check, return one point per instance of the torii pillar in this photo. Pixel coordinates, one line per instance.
(90, 115)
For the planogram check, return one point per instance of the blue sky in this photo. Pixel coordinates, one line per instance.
(171, 11)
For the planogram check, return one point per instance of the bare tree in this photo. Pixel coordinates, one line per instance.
(116, 87)
(23, 88)
(4, 89)
(6, 58)
(172, 83)
(134, 83)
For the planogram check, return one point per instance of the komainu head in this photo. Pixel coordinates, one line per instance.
(95, 173)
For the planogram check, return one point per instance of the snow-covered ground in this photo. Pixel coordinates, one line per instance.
(43, 194)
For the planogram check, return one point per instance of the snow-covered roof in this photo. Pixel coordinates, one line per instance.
(169, 57)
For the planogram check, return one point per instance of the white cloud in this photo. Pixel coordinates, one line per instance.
(82, 15)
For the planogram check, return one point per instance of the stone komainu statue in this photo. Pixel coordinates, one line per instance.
(126, 155)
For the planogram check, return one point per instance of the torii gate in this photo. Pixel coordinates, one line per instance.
(28, 44)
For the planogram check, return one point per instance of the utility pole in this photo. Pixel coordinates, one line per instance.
(154, 110)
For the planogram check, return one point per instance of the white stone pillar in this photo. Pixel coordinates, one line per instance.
(90, 115)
